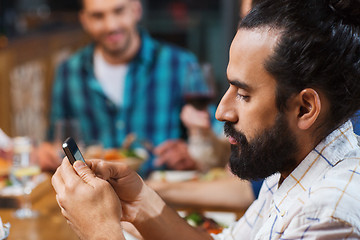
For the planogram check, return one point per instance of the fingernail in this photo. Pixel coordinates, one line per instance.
(79, 165)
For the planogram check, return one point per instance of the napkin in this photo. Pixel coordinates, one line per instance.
(5, 140)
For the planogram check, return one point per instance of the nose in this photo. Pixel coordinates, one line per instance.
(110, 23)
(226, 110)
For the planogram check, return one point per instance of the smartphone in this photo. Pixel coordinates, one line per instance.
(72, 151)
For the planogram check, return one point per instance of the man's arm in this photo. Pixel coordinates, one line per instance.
(235, 193)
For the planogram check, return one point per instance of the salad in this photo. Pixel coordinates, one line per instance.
(198, 220)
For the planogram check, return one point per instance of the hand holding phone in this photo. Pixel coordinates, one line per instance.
(72, 151)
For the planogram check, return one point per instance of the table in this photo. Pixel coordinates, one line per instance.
(52, 225)
(49, 225)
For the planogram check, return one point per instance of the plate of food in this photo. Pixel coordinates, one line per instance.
(211, 222)
(133, 157)
(174, 175)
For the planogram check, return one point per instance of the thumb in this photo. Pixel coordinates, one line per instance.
(84, 172)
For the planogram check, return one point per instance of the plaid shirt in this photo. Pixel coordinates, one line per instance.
(320, 199)
(153, 95)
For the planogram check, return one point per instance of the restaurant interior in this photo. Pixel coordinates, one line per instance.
(35, 37)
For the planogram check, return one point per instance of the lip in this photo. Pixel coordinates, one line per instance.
(114, 37)
(232, 141)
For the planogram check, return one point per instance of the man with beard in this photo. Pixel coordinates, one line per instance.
(124, 83)
(294, 73)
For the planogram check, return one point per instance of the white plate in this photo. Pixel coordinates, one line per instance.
(174, 176)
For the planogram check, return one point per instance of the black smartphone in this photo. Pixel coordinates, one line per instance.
(72, 151)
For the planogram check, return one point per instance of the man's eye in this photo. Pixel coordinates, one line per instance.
(119, 11)
(96, 15)
(243, 97)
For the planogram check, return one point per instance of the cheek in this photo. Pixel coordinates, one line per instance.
(255, 119)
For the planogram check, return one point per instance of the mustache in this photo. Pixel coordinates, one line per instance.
(230, 131)
(117, 31)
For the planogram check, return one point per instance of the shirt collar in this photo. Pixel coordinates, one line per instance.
(322, 158)
(147, 49)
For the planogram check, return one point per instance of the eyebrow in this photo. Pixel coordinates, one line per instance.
(240, 84)
(120, 7)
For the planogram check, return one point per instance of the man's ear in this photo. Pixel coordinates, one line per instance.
(308, 107)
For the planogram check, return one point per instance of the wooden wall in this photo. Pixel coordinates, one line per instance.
(26, 73)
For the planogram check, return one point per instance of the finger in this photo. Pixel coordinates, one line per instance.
(175, 163)
(58, 183)
(170, 158)
(68, 174)
(99, 168)
(85, 172)
(164, 147)
(160, 161)
(166, 158)
(114, 170)
(185, 164)
(61, 205)
(179, 165)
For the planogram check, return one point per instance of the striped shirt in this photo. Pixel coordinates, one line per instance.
(320, 199)
(153, 95)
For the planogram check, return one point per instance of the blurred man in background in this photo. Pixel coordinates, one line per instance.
(124, 83)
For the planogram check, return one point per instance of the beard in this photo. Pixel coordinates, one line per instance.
(115, 50)
(271, 151)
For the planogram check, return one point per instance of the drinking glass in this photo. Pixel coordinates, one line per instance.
(199, 91)
(23, 171)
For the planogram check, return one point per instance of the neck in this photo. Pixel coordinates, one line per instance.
(123, 57)
(307, 143)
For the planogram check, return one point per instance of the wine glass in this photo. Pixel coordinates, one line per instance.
(200, 91)
(23, 171)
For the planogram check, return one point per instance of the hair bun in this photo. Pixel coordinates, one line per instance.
(348, 9)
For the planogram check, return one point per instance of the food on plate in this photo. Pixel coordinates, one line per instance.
(214, 174)
(4, 172)
(4, 167)
(132, 157)
(118, 154)
(198, 220)
(115, 153)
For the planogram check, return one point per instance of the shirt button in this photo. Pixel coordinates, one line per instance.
(120, 125)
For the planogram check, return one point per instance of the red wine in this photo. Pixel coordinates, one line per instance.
(199, 101)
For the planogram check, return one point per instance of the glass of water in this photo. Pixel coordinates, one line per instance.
(23, 171)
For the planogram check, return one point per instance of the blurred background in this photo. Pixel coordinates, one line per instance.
(36, 35)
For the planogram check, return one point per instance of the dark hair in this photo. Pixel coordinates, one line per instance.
(80, 4)
(318, 47)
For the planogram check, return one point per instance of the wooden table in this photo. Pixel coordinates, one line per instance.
(50, 225)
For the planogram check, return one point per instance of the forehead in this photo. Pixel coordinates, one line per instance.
(248, 54)
(102, 5)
